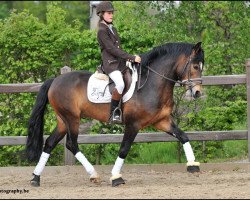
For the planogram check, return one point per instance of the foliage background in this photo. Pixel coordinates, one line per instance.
(36, 43)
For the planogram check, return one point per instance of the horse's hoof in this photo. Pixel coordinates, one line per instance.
(35, 181)
(117, 182)
(95, 178)
(193, 169)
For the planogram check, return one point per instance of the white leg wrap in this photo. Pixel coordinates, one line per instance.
(117, 167)
(41, 164)
(86, 164)
(189, 152)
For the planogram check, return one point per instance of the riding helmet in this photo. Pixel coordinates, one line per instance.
(104, 6)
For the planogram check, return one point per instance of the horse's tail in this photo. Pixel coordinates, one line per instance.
(34, 143)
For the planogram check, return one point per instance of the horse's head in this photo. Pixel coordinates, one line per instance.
(190, 70)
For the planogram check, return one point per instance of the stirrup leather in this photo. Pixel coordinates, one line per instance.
(116, 116)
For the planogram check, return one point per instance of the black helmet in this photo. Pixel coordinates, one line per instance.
(104, 6)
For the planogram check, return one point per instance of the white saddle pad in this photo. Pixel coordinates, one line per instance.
(97, 83)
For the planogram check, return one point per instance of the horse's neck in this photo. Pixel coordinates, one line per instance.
(157, 86)
(165, 71)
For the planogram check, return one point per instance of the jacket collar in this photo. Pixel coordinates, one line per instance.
(102, 25)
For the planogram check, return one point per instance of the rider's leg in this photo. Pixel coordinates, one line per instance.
(116, 76)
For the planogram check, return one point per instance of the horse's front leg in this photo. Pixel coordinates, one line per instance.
(170, 127)
(128, 138)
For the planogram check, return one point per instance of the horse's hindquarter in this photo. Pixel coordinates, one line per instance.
(69, 92)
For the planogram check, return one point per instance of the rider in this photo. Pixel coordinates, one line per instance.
(113, 57)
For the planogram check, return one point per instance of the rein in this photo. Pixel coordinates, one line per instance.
(188, 82)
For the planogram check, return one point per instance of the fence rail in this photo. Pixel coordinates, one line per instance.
(206, 80)
(140, 138)
(143, 137)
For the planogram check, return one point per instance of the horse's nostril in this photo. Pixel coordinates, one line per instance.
(197, 94)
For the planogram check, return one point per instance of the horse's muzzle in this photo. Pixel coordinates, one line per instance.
(196, 91)
(193, 91)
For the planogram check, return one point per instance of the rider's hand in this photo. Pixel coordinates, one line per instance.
(137, 59)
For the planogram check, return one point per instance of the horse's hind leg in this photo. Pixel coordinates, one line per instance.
(72, 145)
(50, 144)
(128, 138)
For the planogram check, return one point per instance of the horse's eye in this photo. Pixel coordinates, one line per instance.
(196, 67)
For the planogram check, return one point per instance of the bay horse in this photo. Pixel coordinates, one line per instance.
(161, 68)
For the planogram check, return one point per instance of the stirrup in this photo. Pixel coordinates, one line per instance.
(116, 116)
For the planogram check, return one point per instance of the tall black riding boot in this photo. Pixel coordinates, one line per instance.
(115, 110)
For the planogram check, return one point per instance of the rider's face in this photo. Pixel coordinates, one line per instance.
(108, 16)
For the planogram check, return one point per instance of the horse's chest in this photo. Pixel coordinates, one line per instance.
(164, 112)
(154, 117)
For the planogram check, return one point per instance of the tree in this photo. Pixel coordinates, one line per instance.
(76, 10)
(3, 10)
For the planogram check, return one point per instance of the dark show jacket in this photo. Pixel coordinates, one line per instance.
(113, 57)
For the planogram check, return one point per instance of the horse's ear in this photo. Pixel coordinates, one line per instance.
(196, 48)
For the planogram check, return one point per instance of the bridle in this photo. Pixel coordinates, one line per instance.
(189, 82)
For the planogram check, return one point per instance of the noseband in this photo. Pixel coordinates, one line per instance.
(189, 82)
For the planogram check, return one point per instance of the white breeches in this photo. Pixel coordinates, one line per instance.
(116, 76)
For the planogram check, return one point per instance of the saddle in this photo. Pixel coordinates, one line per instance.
(100, 86)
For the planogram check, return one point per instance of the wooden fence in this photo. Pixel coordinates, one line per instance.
(143, 137)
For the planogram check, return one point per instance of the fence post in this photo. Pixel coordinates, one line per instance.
(69, 158)
(248, 105)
